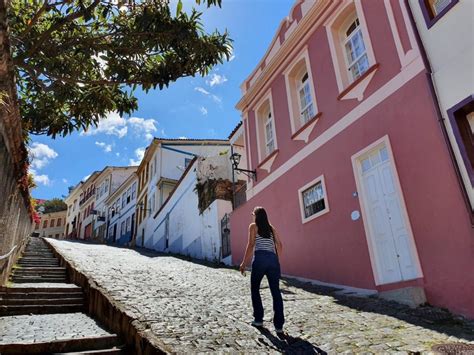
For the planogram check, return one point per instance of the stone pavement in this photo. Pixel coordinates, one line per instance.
(42, 328)
(196, 308)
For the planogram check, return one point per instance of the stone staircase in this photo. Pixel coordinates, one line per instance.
(39, 293)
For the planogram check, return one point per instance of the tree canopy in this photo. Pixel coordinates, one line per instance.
(77, 60)
(53, 205)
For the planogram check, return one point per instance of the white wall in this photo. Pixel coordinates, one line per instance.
(189, 233)
(449, 45)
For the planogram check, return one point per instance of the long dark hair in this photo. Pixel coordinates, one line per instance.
(264, 228)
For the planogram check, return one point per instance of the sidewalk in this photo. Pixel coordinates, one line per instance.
(196, 308)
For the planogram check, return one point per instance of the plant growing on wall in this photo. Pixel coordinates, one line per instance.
(77, 60)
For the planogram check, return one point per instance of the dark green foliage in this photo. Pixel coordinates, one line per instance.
(76, 60)
(54, 205)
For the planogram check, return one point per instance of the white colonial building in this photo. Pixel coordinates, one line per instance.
(446, 28)
(163, 164)
(121, 208)
(72, 217)
(109, 180)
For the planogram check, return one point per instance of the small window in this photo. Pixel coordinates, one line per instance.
(122, 228)
(134, 190)
(266, 135)
(59, 222)
(57, 235)
(52, 223)
(356, 53)
(269, 134)
(300, 92)
(436, 7)
(305, 99)
(128, 224)
(313, 199)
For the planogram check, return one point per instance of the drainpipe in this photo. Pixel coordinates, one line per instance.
(441, 119)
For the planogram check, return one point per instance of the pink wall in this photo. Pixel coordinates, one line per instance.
(333, 248)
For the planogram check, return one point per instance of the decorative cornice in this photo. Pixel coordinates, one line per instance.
(297, 39)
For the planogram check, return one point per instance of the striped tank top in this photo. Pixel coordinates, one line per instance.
(264, 244)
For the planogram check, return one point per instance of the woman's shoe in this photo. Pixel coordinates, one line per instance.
(279, 332)
(257, 324)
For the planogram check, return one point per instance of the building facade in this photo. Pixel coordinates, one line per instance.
(442, 25)
(109, 179)
(51, 225)
(73, 215)
(121, 209)
(86, 206)
(162, 166)
(341, 126)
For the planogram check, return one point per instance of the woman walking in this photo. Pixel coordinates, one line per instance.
(265, 243)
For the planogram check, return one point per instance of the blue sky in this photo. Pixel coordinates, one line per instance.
(191, 107)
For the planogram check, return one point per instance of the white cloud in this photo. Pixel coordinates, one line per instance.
(40, 179)
(86, 177)
(216, 79)
(203, 110)
(143, 126)
(183, 137)
(107, 147)
(139, 154)
(41, 155)
(117, 154)
(202, 90)
(207, 93)
(65, 181)
(112, 124)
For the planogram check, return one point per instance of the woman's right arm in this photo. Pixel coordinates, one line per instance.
(278, 243)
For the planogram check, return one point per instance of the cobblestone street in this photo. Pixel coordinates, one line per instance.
(195, 308)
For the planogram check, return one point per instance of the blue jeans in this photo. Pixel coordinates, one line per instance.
(266, 263)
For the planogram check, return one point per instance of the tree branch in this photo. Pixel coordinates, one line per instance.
(56, 26)
(34, 20)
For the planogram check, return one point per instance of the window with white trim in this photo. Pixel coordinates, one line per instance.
(357, 61)
(305, 99)
(300, 92)
(266, 134)
(313, 199)
(269, 134)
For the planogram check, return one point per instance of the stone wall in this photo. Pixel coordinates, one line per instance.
(15, 217)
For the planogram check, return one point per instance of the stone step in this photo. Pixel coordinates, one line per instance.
(27, 270)
(44, 301)
(11, 310)
(39, 265)
(79, 345)
(37, 279)
(31, 258)
(62, 288)
(38, 273)
(42, 295)
(59, 268)
(34, 272)
(112, 351)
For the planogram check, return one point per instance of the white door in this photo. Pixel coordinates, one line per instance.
(389, 235)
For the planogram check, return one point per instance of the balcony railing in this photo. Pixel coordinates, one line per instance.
(87, 197)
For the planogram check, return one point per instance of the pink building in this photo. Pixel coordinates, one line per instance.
(341, 126)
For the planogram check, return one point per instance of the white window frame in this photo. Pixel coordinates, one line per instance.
(260, 121)
(293, 76)
(336, 27)
(269, 142)
(301, 86)
(319, 179)
(348, 39)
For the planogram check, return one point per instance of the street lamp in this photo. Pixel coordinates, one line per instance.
(235, 158)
